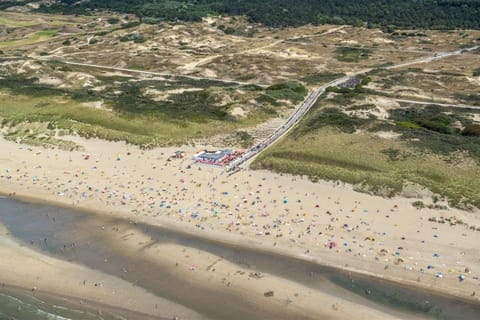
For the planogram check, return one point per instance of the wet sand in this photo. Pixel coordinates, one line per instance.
(18, 303)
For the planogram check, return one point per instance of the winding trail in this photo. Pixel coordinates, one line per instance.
(448, 105)
(312, 98)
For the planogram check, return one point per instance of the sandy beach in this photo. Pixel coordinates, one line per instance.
(322, 222)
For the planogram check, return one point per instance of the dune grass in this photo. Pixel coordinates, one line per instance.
(426, 149)
(349, 54)
(130, 113)
(320, 78)
(67, 114)
(22, 20)
(30, 39)
(378, 165)
(15, 23)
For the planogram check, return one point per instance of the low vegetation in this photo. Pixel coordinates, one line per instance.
(436, 147)
(321, 78)
(473, 98)
(123, 109)
(350, 54)
(32, 38)
(293, 91)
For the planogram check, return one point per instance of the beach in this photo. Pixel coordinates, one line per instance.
(326, 223)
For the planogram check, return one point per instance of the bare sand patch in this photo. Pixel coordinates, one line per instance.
(383, 102)
(50, 80)
(82, 79)
(388, 134)
(382, 40)
(99, 105)
(163, 95)
(474, 80)
(238, 112)
(475, 117)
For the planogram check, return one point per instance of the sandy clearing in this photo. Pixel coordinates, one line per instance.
(238, 112)
(50, 80)
(388, 134)
(159, 95)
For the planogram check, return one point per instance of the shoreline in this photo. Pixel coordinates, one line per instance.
(38, 272)
(247, 244)
(70, 302)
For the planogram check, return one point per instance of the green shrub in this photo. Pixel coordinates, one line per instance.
(246, 140)
(113, 20)
(469, 98)
(435, 126)
(150, 20)
(229, 30)
(393, 154)
(348, 54)
(316, 78)
(291, 90)
(135, 37)
(331, 117)
(418, 204)
(130, 24)
(408, 125)
(471, 130)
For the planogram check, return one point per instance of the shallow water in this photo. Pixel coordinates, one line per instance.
(53, 230)
(15, 305)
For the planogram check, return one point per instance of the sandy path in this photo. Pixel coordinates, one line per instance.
(463, 106)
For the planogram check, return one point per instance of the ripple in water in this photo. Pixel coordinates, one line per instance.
(23, 307)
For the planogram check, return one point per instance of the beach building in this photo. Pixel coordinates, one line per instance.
(220, 157)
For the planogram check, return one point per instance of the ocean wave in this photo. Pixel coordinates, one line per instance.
(12, 299)
(50, 316)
